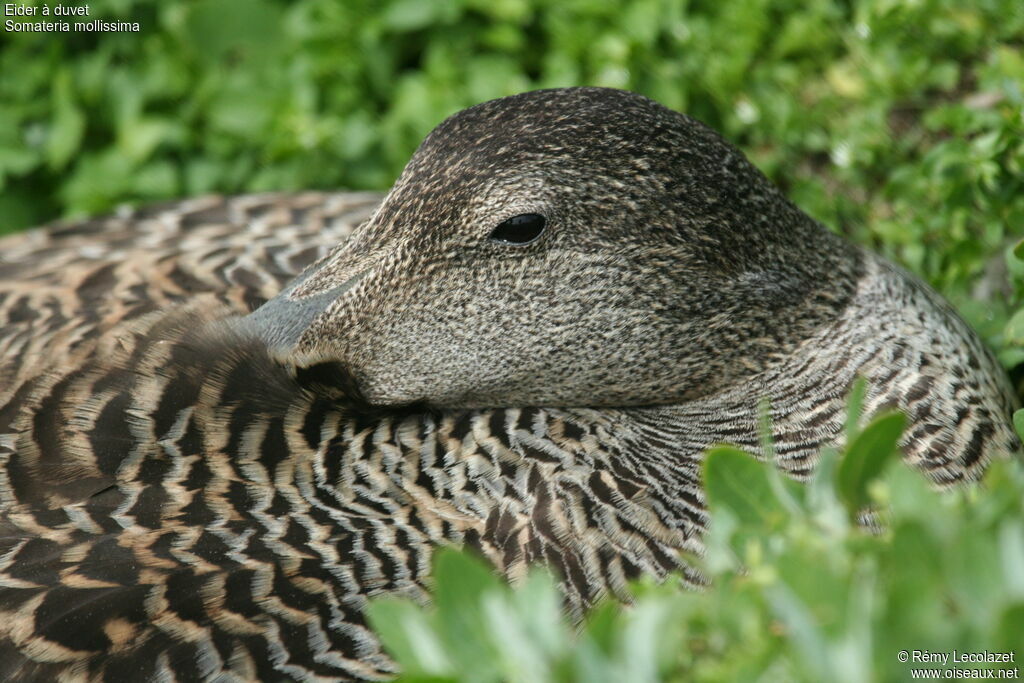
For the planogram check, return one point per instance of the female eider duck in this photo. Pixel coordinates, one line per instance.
(567, 296)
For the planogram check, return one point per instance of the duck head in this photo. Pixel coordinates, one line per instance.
(568, 247)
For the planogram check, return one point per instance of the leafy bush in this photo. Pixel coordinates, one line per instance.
(800, 591)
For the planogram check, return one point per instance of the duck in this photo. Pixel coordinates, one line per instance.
(226, 424)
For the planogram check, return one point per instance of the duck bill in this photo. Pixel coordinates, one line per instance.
(282, 320)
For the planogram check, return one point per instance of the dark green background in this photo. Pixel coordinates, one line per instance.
(897, 123)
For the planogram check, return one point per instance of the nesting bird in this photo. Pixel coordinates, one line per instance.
(567, 296)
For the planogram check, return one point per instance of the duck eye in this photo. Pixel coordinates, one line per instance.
(521, 229)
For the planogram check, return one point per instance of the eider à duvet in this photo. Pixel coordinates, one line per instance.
(226, 423)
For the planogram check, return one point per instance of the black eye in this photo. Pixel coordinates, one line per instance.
(521, 229)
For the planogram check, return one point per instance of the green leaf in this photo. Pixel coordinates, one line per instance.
(866, 458)
(1013, 333)
(601, 626)
(409, 635)
(255, 33)
(1018, 250)
(910, 497)
(854, 408)
(807, 633)
(410, 15)
(1011, 551)
(1018, 422)
(66, 126)
(158, 180)
(538, 603)
(1009, 627)
(642, 640)
(16, 161)
(140, 137)
(461, 584)
(1011, 356)
(521, 656)
(737, 481)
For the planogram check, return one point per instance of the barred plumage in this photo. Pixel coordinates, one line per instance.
(187, 492)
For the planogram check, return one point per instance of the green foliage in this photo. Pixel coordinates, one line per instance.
(732, 475)
(799, 591)
(867, 455)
